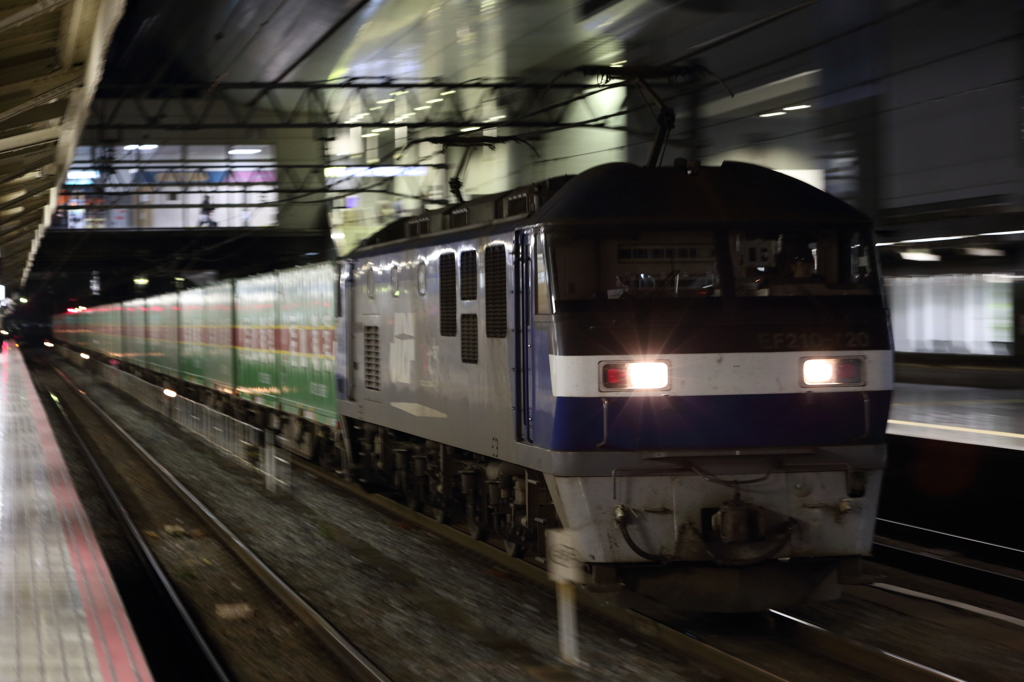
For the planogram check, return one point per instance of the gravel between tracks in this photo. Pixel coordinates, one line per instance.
(418, 607)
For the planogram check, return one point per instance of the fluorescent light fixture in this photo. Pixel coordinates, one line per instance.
(83, 175)
(496, 118)
(447, 92)
(979, 251)
(885, 243)
(170, 393)
(252, 150)
(773, 113)
(400, 92)
(920, 256)
(376, 108)
(147, 147)
(434, 101)
(337, 235)
(141, 281)
(371, 135)
(179, 279)
(22, 300)
(5, 332)
(48, 344)
(797, 107)
(617, 64)
(934, 239)
(85, 356)
(423, 107)
(131, 147)
(380, 130)
(374, 171)
(469, 129)
(385, 101)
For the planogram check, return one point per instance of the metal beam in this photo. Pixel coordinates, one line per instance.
(54, 93)
(29, 13)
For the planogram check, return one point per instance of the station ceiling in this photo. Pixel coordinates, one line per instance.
(51, 60)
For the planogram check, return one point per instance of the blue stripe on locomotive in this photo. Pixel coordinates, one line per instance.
(702, 422)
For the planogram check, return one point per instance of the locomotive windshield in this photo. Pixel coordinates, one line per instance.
(709, 264)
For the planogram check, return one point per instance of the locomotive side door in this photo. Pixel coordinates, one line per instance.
(523, 324)
(343, 356)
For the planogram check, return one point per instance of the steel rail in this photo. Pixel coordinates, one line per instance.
(134, 536)
(345, 651)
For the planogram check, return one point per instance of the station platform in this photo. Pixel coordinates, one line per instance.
(61, 617)
(974, 416)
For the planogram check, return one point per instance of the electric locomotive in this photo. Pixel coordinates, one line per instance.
(687, 370)
(675, 379)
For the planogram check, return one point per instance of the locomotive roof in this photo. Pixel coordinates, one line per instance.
(623, 193)
(731, 193)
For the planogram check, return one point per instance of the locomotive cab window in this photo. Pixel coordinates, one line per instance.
(634, 264)
(823, 262)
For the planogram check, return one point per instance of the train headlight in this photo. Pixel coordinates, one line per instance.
(620, 376)
(832, 372)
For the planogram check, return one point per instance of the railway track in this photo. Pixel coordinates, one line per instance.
(687, 639)
(962, 561)
(75, 404)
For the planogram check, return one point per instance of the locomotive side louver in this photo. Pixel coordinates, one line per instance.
(467, 275)
(495, 285)
(470, 344)
(446, 266)
(371, 358)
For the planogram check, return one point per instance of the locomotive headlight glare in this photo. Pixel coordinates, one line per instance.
(833, 372)
(818, 372)
(634, 376)
(647, 375)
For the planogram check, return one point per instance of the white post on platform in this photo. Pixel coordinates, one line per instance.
(270, 460)
(565, 568)
(568, 635)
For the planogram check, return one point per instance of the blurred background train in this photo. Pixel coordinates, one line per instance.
(691, 372)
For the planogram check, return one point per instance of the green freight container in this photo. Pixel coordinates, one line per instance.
(162, 313)
(108, 332)
(192, 339)
(134, 317)
(306, 342)
(256, 307)
(219, 348)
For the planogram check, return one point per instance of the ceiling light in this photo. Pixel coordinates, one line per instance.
(141, 281)
(385, 101)
(131, 147)
(795, 107)
(469, 130)
(773, 113)
(496, 118)
(434, 101)
(979, 251)
(380, 130)
(618, 64)
(22, 300)
(400, 92)
(337, 235)
(920, 256)
(147, 147)
(422, 108)
(447, 92)
(934, 239)
(252, 150)
(374, 109)
(371, 135)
